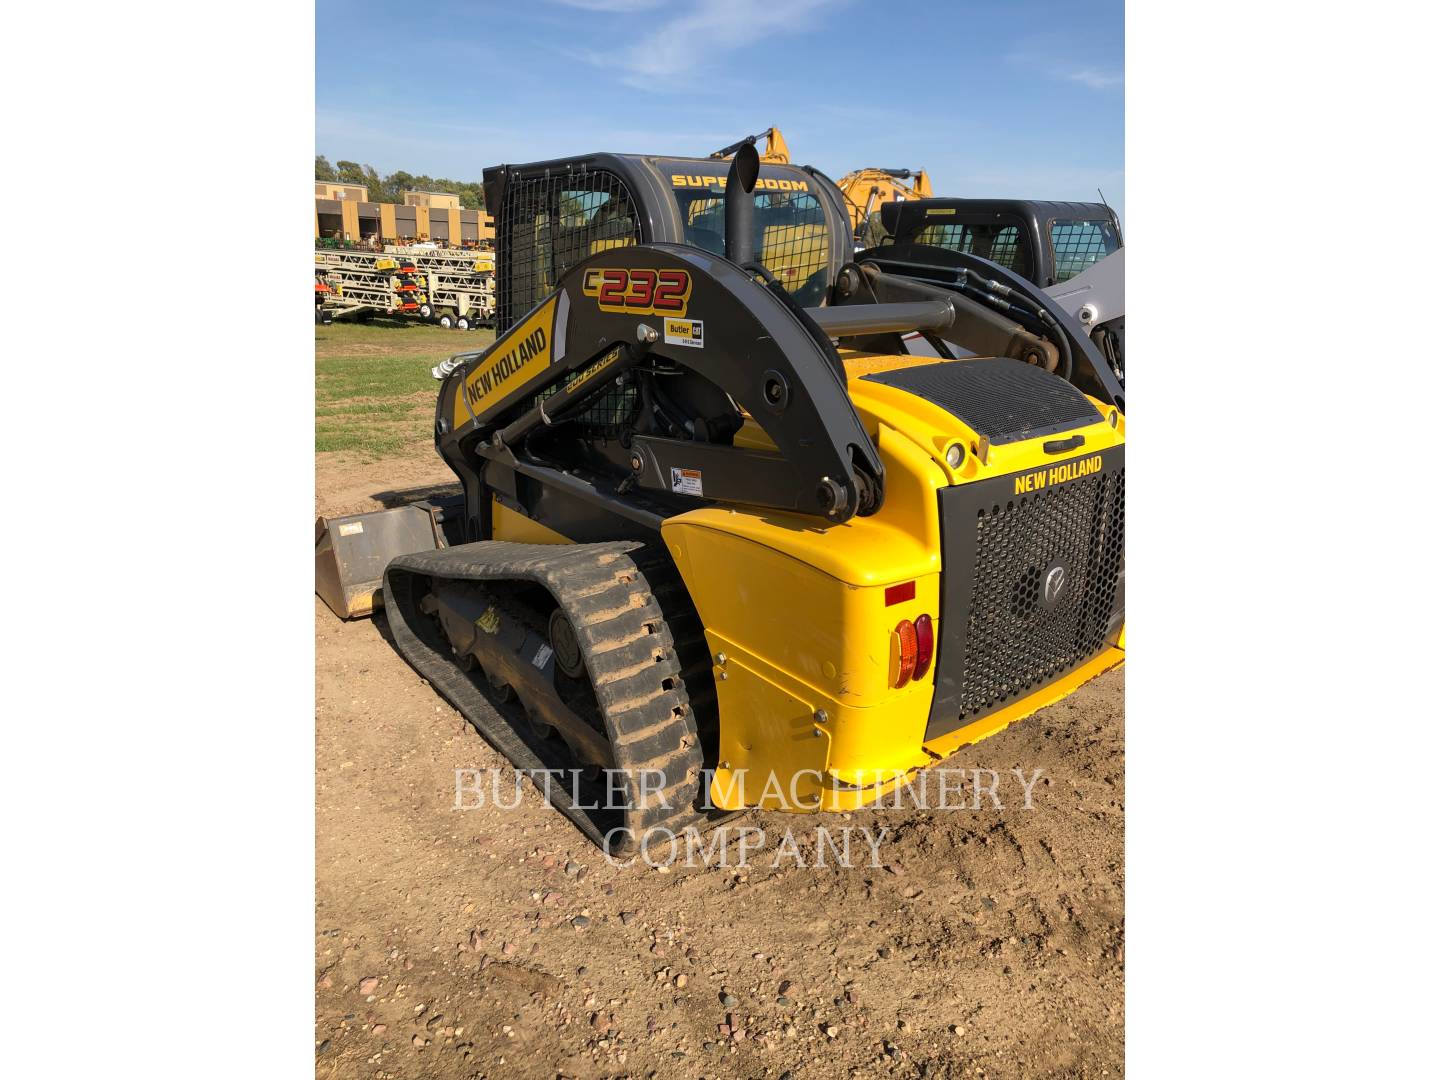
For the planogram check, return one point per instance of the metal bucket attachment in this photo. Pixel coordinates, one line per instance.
(351, 552)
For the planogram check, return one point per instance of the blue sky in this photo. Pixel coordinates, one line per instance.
(1023, 99)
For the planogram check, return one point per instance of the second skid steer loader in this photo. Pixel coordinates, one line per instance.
(722, 541)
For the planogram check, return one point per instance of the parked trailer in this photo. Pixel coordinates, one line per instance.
(460, 283)
(364, 282)
(453, 287)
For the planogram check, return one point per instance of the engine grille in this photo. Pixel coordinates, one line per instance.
(1007, 630)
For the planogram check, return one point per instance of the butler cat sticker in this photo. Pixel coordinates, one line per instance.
(687, 332)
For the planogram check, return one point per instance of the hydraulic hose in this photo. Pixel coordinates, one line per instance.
(1006, 300)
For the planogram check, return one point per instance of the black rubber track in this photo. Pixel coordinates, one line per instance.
(630, 654)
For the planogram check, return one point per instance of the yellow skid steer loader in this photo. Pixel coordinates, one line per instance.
(722, 540)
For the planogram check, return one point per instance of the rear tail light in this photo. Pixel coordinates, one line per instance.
(912, 647)
(924, 646)
(904, 648)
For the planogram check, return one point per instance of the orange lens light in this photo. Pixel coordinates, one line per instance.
(909, 649)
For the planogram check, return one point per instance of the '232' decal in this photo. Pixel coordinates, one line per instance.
(639, 292)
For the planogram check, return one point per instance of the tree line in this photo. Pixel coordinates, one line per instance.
(392, 188)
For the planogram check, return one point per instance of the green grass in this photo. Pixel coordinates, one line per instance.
(374, 395)
(365, 408)
(371, 443)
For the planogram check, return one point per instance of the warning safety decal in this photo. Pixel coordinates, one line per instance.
(686, 482)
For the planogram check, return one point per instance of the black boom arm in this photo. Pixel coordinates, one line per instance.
(677, 309)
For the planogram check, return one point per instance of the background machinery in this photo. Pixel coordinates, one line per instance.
(1074, 251)
(776, 152)
(357, 283)
(722, 542)
(866, 190)
(452, 286)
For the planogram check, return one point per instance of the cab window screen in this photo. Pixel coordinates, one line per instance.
(550, 224)
(1079, 245)
(791, 235)
(998, 243)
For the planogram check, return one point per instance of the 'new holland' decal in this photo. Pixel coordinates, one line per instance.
(1057, 474)
(496, 374)
(522, 356)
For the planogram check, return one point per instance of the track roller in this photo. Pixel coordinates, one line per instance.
(579, 636)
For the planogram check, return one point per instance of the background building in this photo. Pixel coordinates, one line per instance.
(344, 212)
(326, 189)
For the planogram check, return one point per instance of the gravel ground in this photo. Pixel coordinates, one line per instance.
(496, 942)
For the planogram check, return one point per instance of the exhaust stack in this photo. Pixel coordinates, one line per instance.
(740, 205)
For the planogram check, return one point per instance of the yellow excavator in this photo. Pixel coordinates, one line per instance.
(864, 190)
(723, 541)
(776, 151)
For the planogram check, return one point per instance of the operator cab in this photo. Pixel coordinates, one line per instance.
(551, 215)
(1044, 242)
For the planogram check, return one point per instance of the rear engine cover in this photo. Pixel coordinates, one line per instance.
(1033, 584)
(1004, 400)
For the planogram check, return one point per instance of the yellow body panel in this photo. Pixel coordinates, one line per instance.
(507, 524)
(751, 436)
(797, 608)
